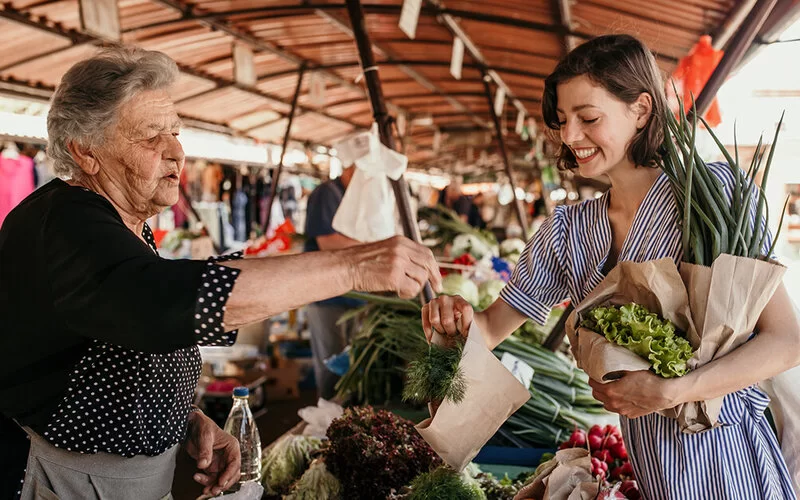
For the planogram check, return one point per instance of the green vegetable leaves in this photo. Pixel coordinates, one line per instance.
(456, 284)
(286, 461)
(637, 329)
(444, 484)
(436, 375)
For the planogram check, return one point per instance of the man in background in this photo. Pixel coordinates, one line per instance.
(453, 198)
(328, 338)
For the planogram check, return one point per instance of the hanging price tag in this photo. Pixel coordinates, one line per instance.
(457, 60)
(499, 101)
(402, 122)
(521, 370)
(531, 126)
(243, 67)
(520, 123)
(317, 90)
(409, 17)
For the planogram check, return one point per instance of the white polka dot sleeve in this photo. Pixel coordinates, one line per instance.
(215, 289)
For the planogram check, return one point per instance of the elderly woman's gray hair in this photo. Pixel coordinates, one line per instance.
(87, 100)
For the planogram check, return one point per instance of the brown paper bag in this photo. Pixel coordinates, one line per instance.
(457, 432)
(568, 476)
(726, 301)
(716, 306)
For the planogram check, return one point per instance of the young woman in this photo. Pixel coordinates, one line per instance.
(607, 102)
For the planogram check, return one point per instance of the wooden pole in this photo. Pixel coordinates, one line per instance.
(276, 178)
(382, 118)
(502, 144)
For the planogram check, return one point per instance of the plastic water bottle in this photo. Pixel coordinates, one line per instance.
(241, 425)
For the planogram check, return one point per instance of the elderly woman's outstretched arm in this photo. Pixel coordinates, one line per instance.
(275, 284)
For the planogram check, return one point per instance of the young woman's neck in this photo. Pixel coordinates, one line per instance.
(629, 186)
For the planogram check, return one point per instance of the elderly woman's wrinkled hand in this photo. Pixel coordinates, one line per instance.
(636, 394)
(217, 454)
(396, 264)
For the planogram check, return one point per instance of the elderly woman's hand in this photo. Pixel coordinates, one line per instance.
(217, 454)
(396, 264)
(637, 394)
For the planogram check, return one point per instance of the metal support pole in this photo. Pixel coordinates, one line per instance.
(279, 170)
(502, 144)
(382, 118)
(733, 55)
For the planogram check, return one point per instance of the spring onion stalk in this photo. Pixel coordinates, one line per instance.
(715, 220)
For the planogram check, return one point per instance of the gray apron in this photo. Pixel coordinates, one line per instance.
(56, 474)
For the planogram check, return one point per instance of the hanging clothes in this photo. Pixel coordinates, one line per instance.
(239, 215)
(16, 182)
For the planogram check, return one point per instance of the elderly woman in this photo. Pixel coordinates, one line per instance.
(99, 334)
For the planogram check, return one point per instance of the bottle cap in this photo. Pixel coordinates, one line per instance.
(241, 392)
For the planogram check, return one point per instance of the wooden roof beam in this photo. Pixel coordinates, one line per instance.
(213, 22)
(455, 29)
(420, 79)
(43, 24)
(414, 62)
(272, 12)
(563, 11)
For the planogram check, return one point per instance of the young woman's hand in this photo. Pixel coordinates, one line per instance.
(448, 315)
(636, 394)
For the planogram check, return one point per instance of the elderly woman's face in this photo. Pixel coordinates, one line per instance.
(143, 157)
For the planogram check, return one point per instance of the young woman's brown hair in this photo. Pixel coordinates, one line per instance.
(626, 68)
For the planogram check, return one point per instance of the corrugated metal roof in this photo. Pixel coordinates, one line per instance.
(521, 40)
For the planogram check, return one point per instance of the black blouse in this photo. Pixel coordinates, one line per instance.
(102, 331)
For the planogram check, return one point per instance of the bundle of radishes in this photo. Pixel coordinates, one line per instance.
(608, 454)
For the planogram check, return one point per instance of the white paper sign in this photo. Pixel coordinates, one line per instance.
(457, 60)
(100, 18)
(520, 123)
(317, 89)
(499, 101)
(409, 17)
(402, 122)
(521, 370)
(243, 69)
(437, 140)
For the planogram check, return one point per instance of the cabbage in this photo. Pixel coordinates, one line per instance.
(473, 245)
(488, 291)
(511, 246)
(286, 461)
(637, 329)
(316, 484)
(456, 284)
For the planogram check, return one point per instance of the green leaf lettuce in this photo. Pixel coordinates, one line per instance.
(645, 333)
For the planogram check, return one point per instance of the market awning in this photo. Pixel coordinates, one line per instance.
(446, 119)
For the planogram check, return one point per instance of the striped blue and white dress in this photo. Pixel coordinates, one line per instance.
(741, 460)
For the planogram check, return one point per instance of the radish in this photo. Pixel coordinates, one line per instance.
(578, 439)
(627, 470)
(631, 490)
(596, 430)
(612, 494)
(610, 441)
(595, 442)
(619, 451)
(603, 455)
